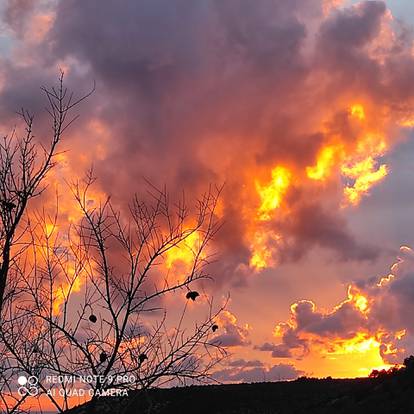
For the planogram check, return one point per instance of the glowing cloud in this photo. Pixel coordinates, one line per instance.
(370, 323)
(271, 195)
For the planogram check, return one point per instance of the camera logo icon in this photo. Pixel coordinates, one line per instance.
(28, 386)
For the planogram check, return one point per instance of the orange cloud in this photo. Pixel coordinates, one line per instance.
(371, 323)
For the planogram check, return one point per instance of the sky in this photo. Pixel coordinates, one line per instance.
(304, 111)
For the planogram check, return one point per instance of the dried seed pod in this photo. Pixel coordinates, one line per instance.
(9, 205)
(93, 318)
(192, 295)
(142, 358)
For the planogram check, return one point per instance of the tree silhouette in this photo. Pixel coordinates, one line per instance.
(111, 276)
(24, 165)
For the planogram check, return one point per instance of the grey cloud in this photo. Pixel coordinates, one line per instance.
(16, 13)
(244, 363)
(279, 372)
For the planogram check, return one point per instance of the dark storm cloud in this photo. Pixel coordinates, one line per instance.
(352, 29)
(194, 92)
(176, 72)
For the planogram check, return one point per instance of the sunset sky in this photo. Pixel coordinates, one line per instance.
(303, 109)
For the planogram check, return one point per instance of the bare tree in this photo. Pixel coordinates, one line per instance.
(24, 165)
(98, 297)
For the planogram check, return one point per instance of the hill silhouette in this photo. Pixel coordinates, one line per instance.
(383, 392)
